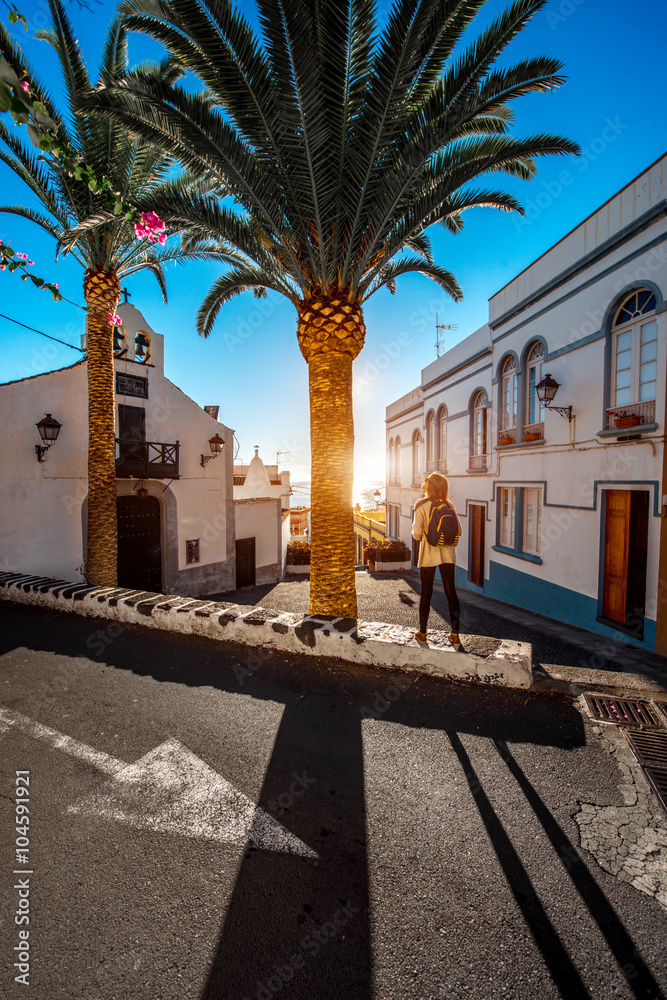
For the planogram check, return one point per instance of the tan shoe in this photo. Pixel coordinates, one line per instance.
(454, 638)
(420, 636)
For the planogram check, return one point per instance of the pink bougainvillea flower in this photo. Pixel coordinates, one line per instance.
(115, 320)
(22, 256)
(151, 228)
(2, 267)
(31, 262)
(25, 86)
(56, 285)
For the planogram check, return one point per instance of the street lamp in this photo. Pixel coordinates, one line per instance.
(546, 390)
(215, 444)
(48, 428)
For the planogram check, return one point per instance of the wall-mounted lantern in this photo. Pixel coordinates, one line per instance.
(48, 428)
(546, 390)
(215, 444)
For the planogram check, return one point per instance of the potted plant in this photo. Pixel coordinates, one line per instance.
(504, 439)
(625, 418)
(532, 436)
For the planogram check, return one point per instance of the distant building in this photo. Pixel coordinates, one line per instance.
(180, 529)
(369, 526)
(299, 524)
(262, 522)
(561, 516)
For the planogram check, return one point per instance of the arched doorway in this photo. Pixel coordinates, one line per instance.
(139, 543)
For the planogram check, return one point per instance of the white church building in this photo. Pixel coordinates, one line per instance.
(562, 506)
(182, 528)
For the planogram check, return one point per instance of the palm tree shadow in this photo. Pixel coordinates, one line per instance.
(298, 920)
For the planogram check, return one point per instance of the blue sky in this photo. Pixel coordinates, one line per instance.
(612, 105)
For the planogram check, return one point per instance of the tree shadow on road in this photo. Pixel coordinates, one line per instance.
(300, 927)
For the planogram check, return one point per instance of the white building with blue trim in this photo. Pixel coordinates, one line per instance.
(562, 510)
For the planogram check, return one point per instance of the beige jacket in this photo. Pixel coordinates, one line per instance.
(430, 555)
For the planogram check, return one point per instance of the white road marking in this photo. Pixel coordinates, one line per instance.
(169, 790)
(102, 761)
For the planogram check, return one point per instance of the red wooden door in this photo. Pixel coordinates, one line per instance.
(616, 551)
(476, 564)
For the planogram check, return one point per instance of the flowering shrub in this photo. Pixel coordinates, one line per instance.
(151, 227)
(114, 319)
(387, 551)
(298, 554)
(10, 260)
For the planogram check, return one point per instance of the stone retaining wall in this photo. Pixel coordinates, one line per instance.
(501, 662)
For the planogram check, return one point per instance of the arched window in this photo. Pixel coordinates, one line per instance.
(534, 375)
(442, 438)
(397, 460)
(391, 466)
(508, 395)
(478, 436)
(416, 458)
(430, 441)
(635, 352)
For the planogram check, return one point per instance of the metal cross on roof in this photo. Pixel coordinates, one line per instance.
(128, 295)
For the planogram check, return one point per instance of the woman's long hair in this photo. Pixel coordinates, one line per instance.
(437, 486)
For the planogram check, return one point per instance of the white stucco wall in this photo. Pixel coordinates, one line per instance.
(574, 464)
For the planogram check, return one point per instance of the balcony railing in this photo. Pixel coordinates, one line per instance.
(507, 436)
(645, 411)
(533, 432)
(478, 461)
(146, 459)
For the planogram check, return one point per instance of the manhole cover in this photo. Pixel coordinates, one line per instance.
(658, 778)
(650, 748)
(623, 711)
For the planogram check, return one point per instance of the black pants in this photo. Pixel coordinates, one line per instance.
(427, 574)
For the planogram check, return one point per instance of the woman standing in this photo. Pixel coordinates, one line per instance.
(436, 488)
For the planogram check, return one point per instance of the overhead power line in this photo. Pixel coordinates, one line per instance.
(47, 335)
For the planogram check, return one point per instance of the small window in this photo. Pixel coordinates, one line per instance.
(430, 442)
(506, 517)
(635, 350)
(416, 457)
(131, 385)
(442, 438)
(478, 433)
(531, 522)
(535, 374)
(508, 396)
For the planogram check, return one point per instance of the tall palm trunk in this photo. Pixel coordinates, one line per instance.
(102, 292)
(331, 333)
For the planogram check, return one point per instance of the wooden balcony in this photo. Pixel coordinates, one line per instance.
(146, 459)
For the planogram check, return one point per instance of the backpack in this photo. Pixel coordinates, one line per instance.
(443, 524)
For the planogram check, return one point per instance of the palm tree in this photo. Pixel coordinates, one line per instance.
(340, 146)
(108, 251)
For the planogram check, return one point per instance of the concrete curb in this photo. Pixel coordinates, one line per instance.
(372, 643)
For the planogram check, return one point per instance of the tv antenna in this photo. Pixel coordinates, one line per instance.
(439, 341)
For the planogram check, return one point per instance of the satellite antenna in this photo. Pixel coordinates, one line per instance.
(439, 341)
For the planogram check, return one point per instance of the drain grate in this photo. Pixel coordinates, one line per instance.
(650, 748)
(658, 778)
(624, 711)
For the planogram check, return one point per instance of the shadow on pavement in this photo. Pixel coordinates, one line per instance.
(302, 925)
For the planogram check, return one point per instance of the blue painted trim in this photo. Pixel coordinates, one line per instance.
(518, 554)
(514, 586)
(590, 339)
(579, 288)
(650, 217)
(461, 581)
(597, 482)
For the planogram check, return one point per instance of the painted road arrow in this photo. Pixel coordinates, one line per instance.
(169, 790)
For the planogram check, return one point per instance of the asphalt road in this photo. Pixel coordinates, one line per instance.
(429, 848)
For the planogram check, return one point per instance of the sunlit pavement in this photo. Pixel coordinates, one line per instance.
(440, 827)
(394, 597)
